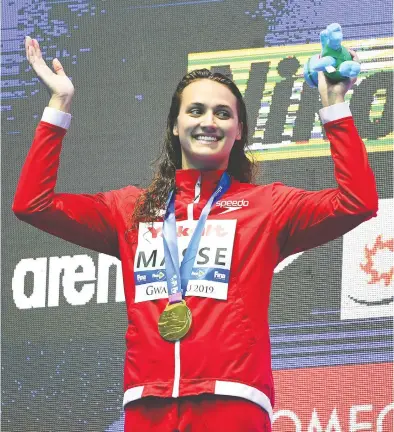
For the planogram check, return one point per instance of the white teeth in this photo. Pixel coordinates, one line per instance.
(206, 138)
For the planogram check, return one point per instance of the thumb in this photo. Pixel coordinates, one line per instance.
(57, 66)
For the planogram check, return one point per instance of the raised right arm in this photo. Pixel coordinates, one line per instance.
(83, 219)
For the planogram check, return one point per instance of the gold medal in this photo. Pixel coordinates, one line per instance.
(175, 321)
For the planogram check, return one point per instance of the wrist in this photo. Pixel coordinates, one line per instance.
(332, 99)
(61, 103)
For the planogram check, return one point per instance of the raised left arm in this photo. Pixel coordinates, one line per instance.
(307, 219)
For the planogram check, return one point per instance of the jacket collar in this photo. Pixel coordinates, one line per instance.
(186, 182)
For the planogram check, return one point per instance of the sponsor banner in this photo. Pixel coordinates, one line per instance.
(75, 280)
(334, 399)
(211, 272)
(292, 129)
(368, 267)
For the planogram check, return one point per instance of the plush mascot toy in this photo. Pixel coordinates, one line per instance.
(335, 60)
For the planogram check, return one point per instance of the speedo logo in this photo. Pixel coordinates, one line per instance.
(232, 205)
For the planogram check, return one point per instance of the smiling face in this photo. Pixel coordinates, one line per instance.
(207, 125)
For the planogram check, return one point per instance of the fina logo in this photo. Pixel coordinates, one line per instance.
(232, 205)
(220, 276)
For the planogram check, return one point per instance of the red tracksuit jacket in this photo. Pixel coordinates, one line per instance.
(248, 232)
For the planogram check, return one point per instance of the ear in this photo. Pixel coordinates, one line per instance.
(175, 129)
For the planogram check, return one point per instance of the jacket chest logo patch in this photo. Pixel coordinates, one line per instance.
(232, 205)
(211, 270)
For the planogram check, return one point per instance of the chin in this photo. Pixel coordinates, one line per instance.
(206, 156)
(209, 160)
(217, 152)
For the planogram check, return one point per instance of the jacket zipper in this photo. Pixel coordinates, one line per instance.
(177, 373)
(177, 345)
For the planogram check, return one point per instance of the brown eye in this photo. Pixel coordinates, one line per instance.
(195, 111)
(224, 114)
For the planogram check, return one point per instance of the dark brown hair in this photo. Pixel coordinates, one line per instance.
(239, 166)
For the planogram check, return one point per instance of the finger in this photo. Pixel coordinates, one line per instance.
(57, 66)
(29, 49)
(37, 49)
(31, 54)
(27, 39)
(321, 78)
(321, 75)
(354, 56)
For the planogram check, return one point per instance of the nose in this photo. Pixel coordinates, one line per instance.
(208, 120)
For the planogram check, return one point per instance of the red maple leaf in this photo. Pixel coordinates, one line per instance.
(368, 268)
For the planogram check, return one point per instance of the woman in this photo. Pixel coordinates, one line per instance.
(198, 349)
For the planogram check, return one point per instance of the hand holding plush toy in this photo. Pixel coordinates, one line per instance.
(335, 60)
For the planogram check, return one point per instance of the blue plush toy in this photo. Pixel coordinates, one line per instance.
(335, 60)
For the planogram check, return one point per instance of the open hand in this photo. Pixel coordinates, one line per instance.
(58, 84)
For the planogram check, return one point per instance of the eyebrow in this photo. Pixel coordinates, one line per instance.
(201, 105)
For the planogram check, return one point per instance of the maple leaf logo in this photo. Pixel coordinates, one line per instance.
(368, 268)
